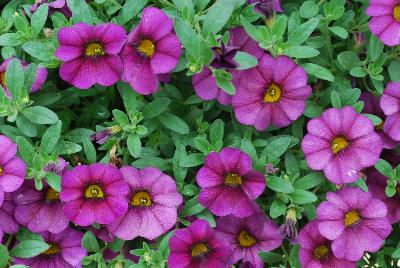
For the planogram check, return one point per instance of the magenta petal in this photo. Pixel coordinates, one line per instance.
(155, 23)
(204, 84)
(166, 57)
(79, 72)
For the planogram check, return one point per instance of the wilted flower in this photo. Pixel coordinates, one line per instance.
(288, 230)
(59, 167)
(102, 136)
(269, 167)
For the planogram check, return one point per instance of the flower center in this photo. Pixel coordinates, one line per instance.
(3, 79)
(321, 253)
(245, 239)
(396, 13)
(53, 249)
(352, 218)
(141, 199)
(339, 144)
(273, 93)
(147, 47)
(199, 250)
(380, 126)
(94, 49)
(52, 194)
(233, 179)
(1, 171)
(94, 191)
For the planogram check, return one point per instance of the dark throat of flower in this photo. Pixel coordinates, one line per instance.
(53, 250)
(233, 180)
(3, 79)
(94, 191)
(246, 239)
(272, 94)
(147, 48)
(199, 250)
(380, 126)
(396, 13)
(94, 49)
(339, 144)
(352, 218)
(322, 253)
(52, 194)
(141, 199)
(1, 170)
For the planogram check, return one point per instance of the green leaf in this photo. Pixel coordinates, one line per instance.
(349, 60)
(294, 256)
(39, 18)
(309, 9)
(318, 71)
(129, 10)
(339, 31)
(89, 150)
(15, 78)
(50, 138)
(279, 185)
(67, 147)
(191, 207)
(251, 30)
(302, 32)
(279, 27)
(361, 183)
(89, 242)
(270, 257)
(40, 50)
(309, 181)
(301, 52)
(4, 256)
(384, 167)
(164, 244)
(187, 36)
(245, 60)
(358, 72)
(30, 76)
(25, 149)
(29, 248)
(26, 127)
(156, 107)
(201, 144)
(217, 16)
(217, 131)
(394, 70)
(302, 197)
(276, 147)
(80, 11)
(174, 123)
(120, 117)
(335, 99)
(192, 160)
(40, 115)
(396, 253)
(134, 145)
(374, 48)
(54, 181)
(277, 208)
(10, 39)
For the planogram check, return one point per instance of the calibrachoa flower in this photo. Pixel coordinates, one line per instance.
(385, 21)
(355, 221)
(90, 54)
(205, 84)
(8, 224)
(267, 7)
(341, 142)
(95, 193)
(59, 167)
(376, 185)
(315, 250)
(371, 106)
(102, 136)
(151, 49)
(153, 203)
(248, 236)
(41, 210)
(272, 93)
(57, 5)
(198, 246)
(390, 104)
(64, 251)
(41, 75)
(12, 168)
(227, 178)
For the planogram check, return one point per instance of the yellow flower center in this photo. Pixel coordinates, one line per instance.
(245, 239)
(94, 191)
(321, 253)
(52, 194)
(141, 199)
(3, 79)
(1, 171)
(233, 179)
(147, 47)
(199, 250)
(273, 93)
(94, 49)
(339, 144)
(352, 218)
(396, 13)
(53, 249)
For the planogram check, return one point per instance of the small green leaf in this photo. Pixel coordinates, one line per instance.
(156, 107)
(279, 185)
(39, 18)
(4, 256)
(349, 60)
(15, 78)
(309, 9)
(301, 52)
(174, 123)
(358, 72)
(40, 115)
(89, 149)
(50, 138)
(335, 99)
(134, 145)
(339, 31)
(54, 181)
(394, 70)
(270, 257)
(309, 181)
(303, 197)
(217, 16)
(89, 242)
(29, 248)
(301, 33)
(384, 167)
(319, 71)
(277, 208)
(245, 60)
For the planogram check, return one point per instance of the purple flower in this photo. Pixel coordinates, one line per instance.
(376, 185)
(57, 5)
(64, 251)
(355, 222)
(272, 93)
(341, 142)
(151, 49)
(95, 193)
(288, 230)
(90, 54)
(198, 246)
(41, 75)
(315, 250)
(223, 57)
(41, 210)
(266, 7)
(153, 203)
(205, 84)
(385, 21)
(248, 236)
(102, 233)
(227, 178)
(59, 167)
(359, 40)
(390, 104)
(7, 222)
(269, 167)
(371, 106)
(102, 136)
(12, 168)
